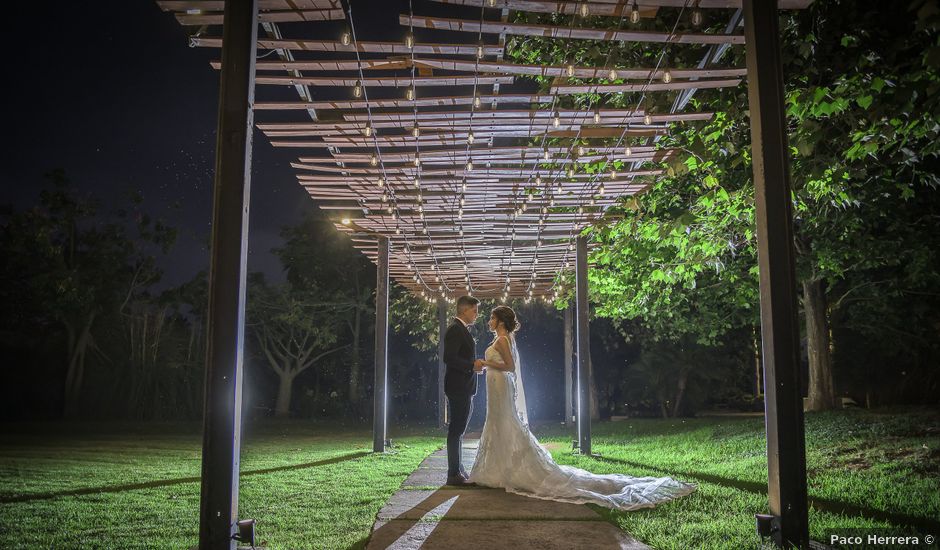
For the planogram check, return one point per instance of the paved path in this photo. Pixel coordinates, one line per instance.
(426, 514)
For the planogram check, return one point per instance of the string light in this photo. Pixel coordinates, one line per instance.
(546, 155)
(635, 13)
(647, 119)
(697, 16)
(345, 38)
(470, 138)
(381, 183)
(569, 70)
(367, 130)
(628, 151)
(410, 93)
(416, 131)
(667, 76)
(374, 160)
(357, 89)
(613, 74)
(480, 51)
(469, 166)
(556, 119)
(417, 161)
(409, 41)
(597, 116)
(477, 102)
(584, 9)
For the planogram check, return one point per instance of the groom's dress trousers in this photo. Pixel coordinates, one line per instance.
(460, 385)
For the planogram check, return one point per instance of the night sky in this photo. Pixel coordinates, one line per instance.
(111, 93)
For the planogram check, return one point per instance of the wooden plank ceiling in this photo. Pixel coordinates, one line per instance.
(479, 189)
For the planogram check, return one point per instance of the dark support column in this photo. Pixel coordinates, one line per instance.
(380, 388)
(441, 398)
(569, 366)
(221, 438)
(584, 374)
(786, 457)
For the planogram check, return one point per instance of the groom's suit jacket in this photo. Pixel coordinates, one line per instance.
(459, 348)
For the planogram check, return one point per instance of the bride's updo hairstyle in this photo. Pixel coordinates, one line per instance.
(507, 316)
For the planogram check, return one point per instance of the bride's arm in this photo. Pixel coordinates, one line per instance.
(502, 346)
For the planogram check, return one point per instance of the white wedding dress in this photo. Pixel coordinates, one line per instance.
(510, 457)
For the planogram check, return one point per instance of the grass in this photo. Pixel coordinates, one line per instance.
(315, 486)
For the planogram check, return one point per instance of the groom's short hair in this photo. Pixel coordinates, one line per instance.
(465, 302)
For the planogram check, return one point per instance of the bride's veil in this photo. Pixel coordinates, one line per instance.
(520, 392)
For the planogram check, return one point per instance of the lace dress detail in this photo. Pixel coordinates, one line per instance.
(510, 457)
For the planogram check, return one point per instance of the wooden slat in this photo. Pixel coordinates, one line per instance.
(263, 5)
(287, 16)
(385, 81)
(648, 8)
(444, 101)
(363, 47)
(571, 89)
(580, 72)
(548, 31)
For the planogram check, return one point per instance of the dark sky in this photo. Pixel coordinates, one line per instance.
(110, 92)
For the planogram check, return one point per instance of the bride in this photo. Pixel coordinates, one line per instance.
(510, 457)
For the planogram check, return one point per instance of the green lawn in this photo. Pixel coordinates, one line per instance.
(314, 486)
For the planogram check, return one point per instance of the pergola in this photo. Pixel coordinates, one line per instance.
(473, 190)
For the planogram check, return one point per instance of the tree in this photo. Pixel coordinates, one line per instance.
(294, 330)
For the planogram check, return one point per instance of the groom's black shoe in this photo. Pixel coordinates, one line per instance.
(459, 481)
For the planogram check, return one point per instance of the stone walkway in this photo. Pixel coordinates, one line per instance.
(425, 513)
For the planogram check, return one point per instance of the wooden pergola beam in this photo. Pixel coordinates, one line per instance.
(385, 81)
(549, 31)
(362, 47)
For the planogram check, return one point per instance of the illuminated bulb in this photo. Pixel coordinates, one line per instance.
(357, 89)
(470, 138)
(647, 119)
(570, 172)
(556, 120)
(479, 51)
(551, 202)
(417, 161)
(417, 183)
(580, 150)
(367, 130)
(410, 94)
(381, 183)
(697, 17)
(491, 3)
(345, 38)
(584, 9)
(477, 102)
(612, 75)
(667, 76)
(546, 155)
(469, 166)
(592, 201)
(409, 41)
(538, 179)
(600, 189)
(346, 221)
(635, 14)
(597, 117)
(628, 151)
(374, 160)
(580, 210)
(416, 131)
(613, 175)
(570, 70)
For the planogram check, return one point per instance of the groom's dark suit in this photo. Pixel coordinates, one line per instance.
(460, 385)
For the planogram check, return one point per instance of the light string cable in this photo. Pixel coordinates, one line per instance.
(643, 91)
(555, 174)
(418, 163)
(389, 190)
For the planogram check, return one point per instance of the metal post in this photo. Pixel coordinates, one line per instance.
(584, 379)
(569, 360)
(221, 439)
(442, 329)
(380, 389)
(786, 456)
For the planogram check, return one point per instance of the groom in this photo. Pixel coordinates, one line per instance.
(460, 383)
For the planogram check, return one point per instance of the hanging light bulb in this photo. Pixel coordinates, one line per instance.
(357, 89)
(345, 38)
(570, 172)
(628, 151)
(597, 116)
(381, 183)
(416, 131)
(612, 75)
(556, 120)
(491, 3)
(580, 210)
(470, 138)
(417, 183)
(546, 155)
(569, 70)
(600, 189)
(480, 51)
(538, 179)
(635, 13)
(697, 17)
(584, 9)
(367, 130)
(409, 41)
(410, 93)
(580, 150)
(374, 160)
(647, 119)
(477, 102)
(551, 201)
(417, 160)
(469, 166)
(667, 76)
(613, 175)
